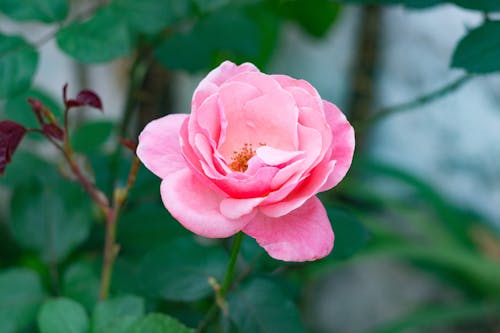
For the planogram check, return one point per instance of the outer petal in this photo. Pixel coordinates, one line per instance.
(304, 234)
(197, 207)
(216, 78)
(159, 147)
(343, 144)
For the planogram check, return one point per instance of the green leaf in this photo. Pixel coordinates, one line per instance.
(90, 137)
(102, 38)
(314, 16)
(62, 315)
(35, 10)
(260, 306)
(81, 282)
(27, 168)
(180, 270)
(441, 315)
(210, 40)
(146, 227)
(350, 233)
(479, 50)
(21, 295)
(158, 323)
(482, 5)
(150, 16)
(117, 315)
(52, 220)
(18, 62)
(19, 110)
(205, 6)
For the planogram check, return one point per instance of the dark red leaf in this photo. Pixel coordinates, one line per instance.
(37, 107)
(11, 134)
(54, 131)
(130, 144)
(85, 98)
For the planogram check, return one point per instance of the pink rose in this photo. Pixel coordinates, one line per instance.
(251, 157)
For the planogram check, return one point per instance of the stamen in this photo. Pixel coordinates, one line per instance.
(239, 160)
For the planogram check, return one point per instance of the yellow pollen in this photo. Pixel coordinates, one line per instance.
(239, 160)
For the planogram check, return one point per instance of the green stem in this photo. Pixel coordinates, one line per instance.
(226, 283)
(238, 238)
(110, 252)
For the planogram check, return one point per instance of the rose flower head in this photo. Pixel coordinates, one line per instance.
(251, 157)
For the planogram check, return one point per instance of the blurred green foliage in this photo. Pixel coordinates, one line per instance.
(51, 237)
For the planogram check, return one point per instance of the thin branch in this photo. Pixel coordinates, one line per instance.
(419, 101)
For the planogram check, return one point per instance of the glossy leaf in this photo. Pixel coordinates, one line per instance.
(21, 295)
(158, 323)
(180, 270)
(91, 136)
(479, 50)
(210, 40)
(27, 168)
(62, 315)
(85, 98)
(314, 16)
(117, 315)
(147, 226)
(150, 16)
(102, 38)
(260, 306)
(18, 62)
(81, 283)
(52, 220)
(11, 134)
(481, 5)
(35, 10)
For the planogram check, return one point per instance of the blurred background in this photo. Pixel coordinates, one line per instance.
(417, 219)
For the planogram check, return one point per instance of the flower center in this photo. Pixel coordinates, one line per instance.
(239, 160)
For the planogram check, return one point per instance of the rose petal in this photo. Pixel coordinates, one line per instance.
(159, 147)
(197, 207)
(301, 193)
(302, 235)
(265, 83)
(343, 144)
(274, 156)
(238, 185)
(303, 92)
(236, 208)
(216, 78)
(270, 119)
(208, 117)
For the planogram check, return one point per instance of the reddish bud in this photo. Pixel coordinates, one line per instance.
(54, 131)
(85, 98)
(43, 114)
(11, 134)
(36, 104)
